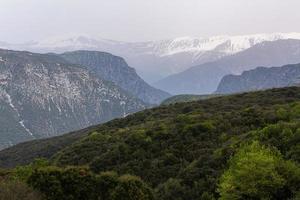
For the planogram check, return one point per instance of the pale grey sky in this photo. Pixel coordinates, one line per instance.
(138, 20)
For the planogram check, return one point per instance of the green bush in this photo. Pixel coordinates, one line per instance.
(257, 172)
(64, 184)
(15, 190)
(106, 183)
(77, 183)
(172, 189)
(131, 188)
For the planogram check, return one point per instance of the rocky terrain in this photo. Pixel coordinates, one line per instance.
(43, 95)
(116, 70)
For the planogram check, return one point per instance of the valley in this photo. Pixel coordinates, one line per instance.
(149, 100)
(183, 148)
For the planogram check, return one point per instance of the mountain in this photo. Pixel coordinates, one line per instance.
(116, 70)
(43, 95)
(185, 147)
(204, 79)
(155, 60)
(260, 78)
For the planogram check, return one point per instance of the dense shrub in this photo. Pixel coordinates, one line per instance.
(80, 183)
(257, 172)
(15, 190)
(172, 189)
(131, 188)
(182, 150)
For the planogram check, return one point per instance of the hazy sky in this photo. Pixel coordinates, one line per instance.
(137, 20)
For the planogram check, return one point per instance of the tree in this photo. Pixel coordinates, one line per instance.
(172, 189)
(15, 190)
(106, 183)
(64, 184)
(132, 188)
(257, 172)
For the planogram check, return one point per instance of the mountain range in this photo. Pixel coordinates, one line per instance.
(43, 95)
(155, 60)
(260, 78)
(116, 70)
(204, 79)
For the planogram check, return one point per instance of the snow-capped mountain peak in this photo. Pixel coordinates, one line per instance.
(195, 45)
(156, 59)
(225, 44)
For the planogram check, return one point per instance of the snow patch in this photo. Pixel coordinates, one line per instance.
(9, 101)
(22, 124)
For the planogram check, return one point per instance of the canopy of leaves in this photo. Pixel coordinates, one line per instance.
(184, 150)
(258, 172)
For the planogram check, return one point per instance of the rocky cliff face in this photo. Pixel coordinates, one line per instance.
(44, 95)
(260, 78)
(116, 70)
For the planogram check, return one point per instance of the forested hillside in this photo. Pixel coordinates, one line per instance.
(187, 98)
(244, 146)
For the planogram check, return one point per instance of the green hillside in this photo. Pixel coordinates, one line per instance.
(243, 146)
(187, 98)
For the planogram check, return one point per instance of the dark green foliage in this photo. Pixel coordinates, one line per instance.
(131, 188)
(187, 98)
(106, 183)
(60, 184)
(182, 150)
(75, 183)
(15, 190)
(172, 189)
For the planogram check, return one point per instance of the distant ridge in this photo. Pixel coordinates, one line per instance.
(260, 78)
(154, 60)
(204, 79)
(115, 69)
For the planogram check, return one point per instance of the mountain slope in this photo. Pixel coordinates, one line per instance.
(186, 144)
(116, 70)
(155, 60)
(204, 79)
(43, 95)
(260, 78)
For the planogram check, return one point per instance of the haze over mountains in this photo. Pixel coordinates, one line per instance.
(204, 79)
(155, 60)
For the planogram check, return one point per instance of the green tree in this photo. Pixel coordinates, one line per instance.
(257, 172)
(64, 184)
(15, 190)
(172, 189)
(106, 183)
(132, 188)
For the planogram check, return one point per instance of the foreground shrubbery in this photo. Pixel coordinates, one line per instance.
(258, 172)
(16, 190)
(80, 183)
